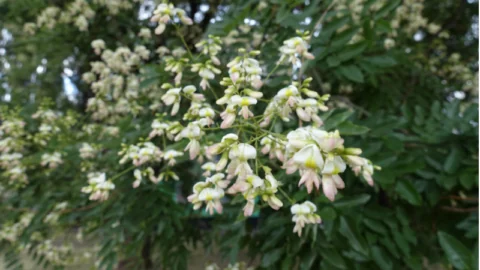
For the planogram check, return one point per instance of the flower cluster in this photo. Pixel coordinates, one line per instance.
(98, 186)
(290, 99)
(231, 165)
(304, 213)
(295, 48)
(51, 160)
(319, 156)
(77, 13)
(12, 142)
(116, 86)
(164, 13)
(141, 153)
(209, 192)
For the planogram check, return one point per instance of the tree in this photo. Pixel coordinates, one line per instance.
(271, 101)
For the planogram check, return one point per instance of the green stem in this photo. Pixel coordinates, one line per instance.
(286, 196)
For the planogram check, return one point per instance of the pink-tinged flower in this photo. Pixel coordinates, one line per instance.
(244, 102)
(248, 208)
(208, 168)
(228, 117)
(310, 160)
(194, 148)
(327, 141)
(304, 213)
(240, 154)
(334, 165)
(331, 184)
(170, 156)
(212, 196)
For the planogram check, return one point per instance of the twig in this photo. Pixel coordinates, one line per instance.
(459, 210)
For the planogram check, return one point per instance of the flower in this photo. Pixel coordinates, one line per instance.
(209, 192)
(310, 160)
(304, 213)
(240, 154)
(172, 96)
(294, 48)
(52, 160)
(98, 45)
(244, 102)
(98, 188)
(164, 13)
(170, 156)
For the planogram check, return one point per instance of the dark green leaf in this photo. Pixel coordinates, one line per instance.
(408, 192)
(457, 254)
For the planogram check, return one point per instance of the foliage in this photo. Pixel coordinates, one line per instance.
(402, 85)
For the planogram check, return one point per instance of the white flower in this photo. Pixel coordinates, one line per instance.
(240, 154)
(172, 96)
(244, 102)
(98, 45)
(304, 213)
(52, 160)
(294, 48)
(170, 155)
(98, 188)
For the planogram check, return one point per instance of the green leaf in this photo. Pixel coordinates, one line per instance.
(336, 119)
(407, 191)
(350, 51)
(358, 243)
(272, 257)
(352, 73)
(381, 258)
(457, 254)
(401, 242)
(381, 61)
(389, 6)
(452, 163)
(333, 61)
(348, 128)
(333, 257)
(308, 259)
(352, 201)
(375, 226)
(327, 213)
(343, 38)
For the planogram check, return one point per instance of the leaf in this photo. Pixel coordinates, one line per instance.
(375, 226)
(352, 73)
(272, 257)
(401, 242)
(352, 201)
(351, 51)
(381, 258)
(381, 60)
(348, 128)
(327, 213)
(389, 6)
(343, 38)
(333, 257)
(333, 61)
(407, 191)
(457, 254)
(452, 163)
(149, 81)
(336, 119)
(357, 242)
(308, 259)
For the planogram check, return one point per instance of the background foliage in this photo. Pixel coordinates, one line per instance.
(412, 108)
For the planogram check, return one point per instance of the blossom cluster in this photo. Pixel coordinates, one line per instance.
(98, 186)
(77, 13)
(12, 135)
(232, 165)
